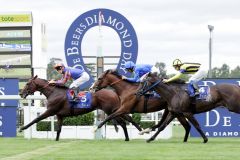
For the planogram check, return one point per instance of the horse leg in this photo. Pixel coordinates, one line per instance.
(110, 117)
(130, 120)
(148, 130)
(46, 114)
(124, 127)
(195, 123)
(114, 122)
(59, 126)
(169, 118)
(186, 126)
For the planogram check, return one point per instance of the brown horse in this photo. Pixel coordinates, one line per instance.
(58, 104)
(179, 102)
(130, 103)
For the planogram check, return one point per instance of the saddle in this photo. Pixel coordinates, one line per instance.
(84, 99)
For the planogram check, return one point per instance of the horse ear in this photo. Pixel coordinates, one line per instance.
(35, 77)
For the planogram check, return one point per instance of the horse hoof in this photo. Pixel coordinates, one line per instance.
(95, 128)
(205, 140)
(141, 133)
(20, 130)
(126, 139)
(147, 130)
(149, 140)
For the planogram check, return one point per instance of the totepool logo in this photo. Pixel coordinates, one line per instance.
(109, 18)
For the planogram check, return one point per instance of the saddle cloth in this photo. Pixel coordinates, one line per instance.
(204, 92)
(84, 99)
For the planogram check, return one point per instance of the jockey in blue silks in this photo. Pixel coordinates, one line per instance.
(139, 70)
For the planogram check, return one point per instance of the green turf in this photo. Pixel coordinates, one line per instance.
(171, 149)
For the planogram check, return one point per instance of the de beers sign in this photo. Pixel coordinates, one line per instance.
(8, 113)
(218, 122)
(108, 18)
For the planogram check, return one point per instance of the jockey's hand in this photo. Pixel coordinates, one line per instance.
(51, 82)
(123, 77)
(164, 80)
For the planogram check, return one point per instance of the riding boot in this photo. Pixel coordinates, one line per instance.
(191, 90)
(196, 89)
(75, 94)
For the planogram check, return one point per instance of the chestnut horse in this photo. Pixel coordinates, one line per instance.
(179, 102)
(130, 103)
(58, 104)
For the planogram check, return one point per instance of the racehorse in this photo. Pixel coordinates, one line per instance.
(58, 104)
(130, 103)
(178, 100)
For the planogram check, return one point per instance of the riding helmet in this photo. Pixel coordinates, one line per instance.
(177, 62)
(129, 65)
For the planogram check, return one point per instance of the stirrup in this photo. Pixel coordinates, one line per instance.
(197, 93)
(74, 99)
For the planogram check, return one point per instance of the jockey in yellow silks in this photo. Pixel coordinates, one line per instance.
(188, 68)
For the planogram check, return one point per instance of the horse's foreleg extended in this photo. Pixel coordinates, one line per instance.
(169, 118)
(110, 117)
(195, 123)
(148, 130)
(59, 129)
(46, 114)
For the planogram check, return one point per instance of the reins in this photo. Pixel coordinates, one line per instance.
(42, 88)
(116, 82)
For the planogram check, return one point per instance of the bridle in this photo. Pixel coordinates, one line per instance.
(116, 82)
(31, 91)
(100, 79)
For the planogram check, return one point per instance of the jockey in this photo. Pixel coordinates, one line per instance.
(139, 70)
(188, 68)
(79, 77)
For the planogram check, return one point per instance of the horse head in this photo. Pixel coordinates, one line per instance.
(108, 78)
(150, 78)
(29, 88)
(148, 82)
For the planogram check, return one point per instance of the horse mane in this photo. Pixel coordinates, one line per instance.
(62, 86)
(57, 85)
(116, 73)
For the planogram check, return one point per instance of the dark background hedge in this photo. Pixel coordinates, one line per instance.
(85, 120)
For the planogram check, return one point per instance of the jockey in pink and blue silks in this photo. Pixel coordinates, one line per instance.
(79, 77)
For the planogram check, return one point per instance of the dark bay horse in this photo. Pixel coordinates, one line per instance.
(131, 104)
(58, 104)
(178, 100)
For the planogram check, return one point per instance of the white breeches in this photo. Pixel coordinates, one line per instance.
(200, 74)
(84, 78)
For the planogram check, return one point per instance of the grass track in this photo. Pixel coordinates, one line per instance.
(171, 149)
